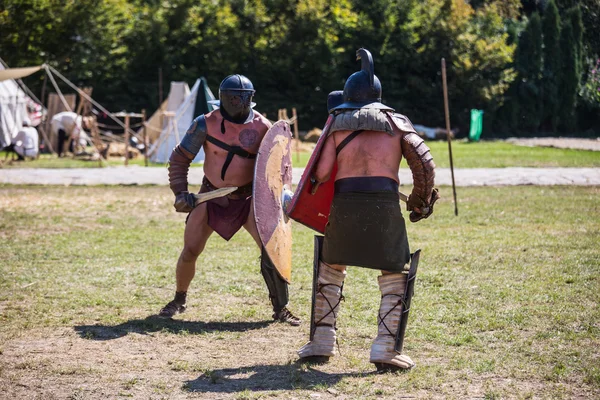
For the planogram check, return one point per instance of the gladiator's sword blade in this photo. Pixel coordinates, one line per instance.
(202, 197)
(403, 197)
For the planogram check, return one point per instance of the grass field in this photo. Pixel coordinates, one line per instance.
(506, 305)
(485, 154)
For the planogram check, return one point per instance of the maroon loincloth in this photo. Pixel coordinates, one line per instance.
(227, 214)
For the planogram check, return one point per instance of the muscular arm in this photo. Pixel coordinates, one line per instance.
(327, 160)
(180, 160)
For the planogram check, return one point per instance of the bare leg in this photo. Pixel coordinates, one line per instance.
(195, 237)
(250, 226)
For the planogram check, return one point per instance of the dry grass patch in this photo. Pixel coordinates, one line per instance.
(506, 303)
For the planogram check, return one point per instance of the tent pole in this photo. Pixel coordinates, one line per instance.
(60, 95)
(126, 139)
(94, 102)
(145, 138)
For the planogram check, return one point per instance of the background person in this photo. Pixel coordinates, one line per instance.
(66, 125)
(26, 142)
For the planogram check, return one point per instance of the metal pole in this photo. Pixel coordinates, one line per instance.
(448, 132)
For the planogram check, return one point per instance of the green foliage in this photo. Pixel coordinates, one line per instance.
(297, 51)
(590, 15)
(527, 107)
(576, 21)
(590, 91)
(551, 70)
(570, 79)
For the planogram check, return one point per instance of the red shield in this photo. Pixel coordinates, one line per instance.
(308, 208)
(272, 176)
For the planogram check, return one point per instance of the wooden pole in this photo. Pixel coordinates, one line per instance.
(126, 139)
(160, 86)
(44, 91)
(448, 131)
(296, 134)
(145, 137)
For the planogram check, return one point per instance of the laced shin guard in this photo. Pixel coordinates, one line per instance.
(325, 309)
(383, 355)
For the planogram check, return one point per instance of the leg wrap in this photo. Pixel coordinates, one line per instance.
(278, 288)
(383, 355)
(326, 302)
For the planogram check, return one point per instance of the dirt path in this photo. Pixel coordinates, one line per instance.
(135, 175)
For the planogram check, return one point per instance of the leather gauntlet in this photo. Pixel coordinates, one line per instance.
(420, 161)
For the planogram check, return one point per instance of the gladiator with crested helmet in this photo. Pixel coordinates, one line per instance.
(362, 145)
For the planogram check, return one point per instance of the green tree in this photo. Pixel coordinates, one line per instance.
(552, 63)
(570, 79)
(526, 107)
(575, 19)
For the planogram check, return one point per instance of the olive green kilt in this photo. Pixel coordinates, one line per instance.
(366, 230)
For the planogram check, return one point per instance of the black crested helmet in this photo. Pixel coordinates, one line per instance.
(334, 99)
(363, 88)
(235, 99)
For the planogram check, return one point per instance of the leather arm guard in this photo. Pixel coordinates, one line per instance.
(420, 161)
(179, 165)
(184, 153)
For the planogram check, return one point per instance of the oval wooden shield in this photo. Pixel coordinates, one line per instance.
(272, 175)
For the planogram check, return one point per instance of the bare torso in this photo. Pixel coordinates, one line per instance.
(369, 154)
(241, 170)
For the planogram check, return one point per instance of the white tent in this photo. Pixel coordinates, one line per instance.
(154, 126)
(15, 106)
(176, 123)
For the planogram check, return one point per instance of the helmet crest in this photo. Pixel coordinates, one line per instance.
(363, 88)
(366, 63)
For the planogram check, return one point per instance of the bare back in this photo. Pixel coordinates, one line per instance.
(369, 154)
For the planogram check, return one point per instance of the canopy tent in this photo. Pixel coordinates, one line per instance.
(176, 124)
(9, 73)
(15, 104)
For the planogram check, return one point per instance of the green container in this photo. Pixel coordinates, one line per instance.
(476, 125)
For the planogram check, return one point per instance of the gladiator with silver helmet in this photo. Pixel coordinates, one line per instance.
(231, 136)
(349, 192)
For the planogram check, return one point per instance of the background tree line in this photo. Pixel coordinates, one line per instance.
(530, 64)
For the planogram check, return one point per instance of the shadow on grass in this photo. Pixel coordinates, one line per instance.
(155, 324)
(257, 378)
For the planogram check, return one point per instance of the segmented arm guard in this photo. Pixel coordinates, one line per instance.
(179, 164)
(184, 153)
(420, 161)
